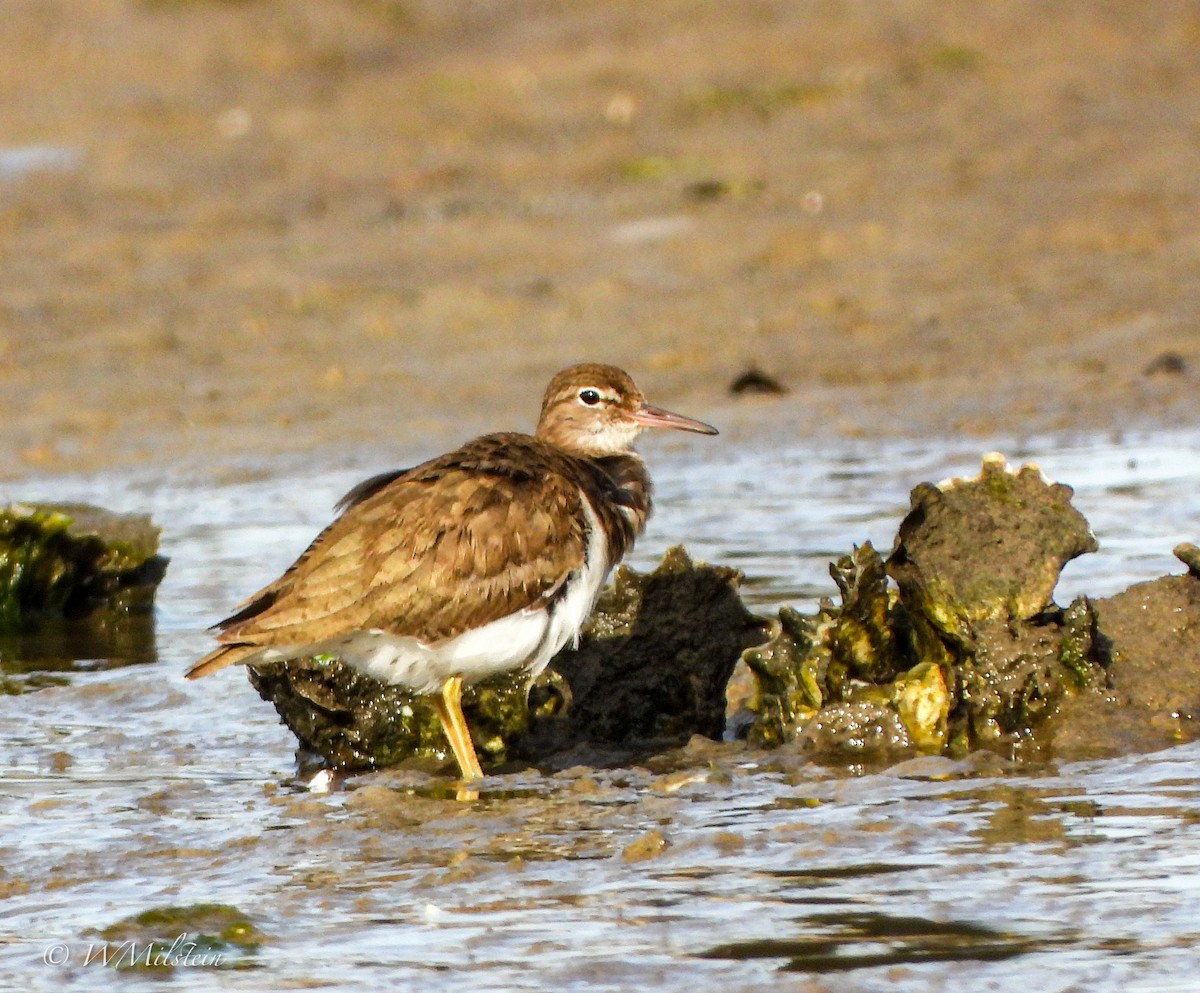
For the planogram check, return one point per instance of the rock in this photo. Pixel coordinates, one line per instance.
(789, 672)
(206, 935)
(76, 582)
(968, 649)
(1150, 695)
(988, 548)
(650, 845)
(651, 669)
(70, 560)
(656, 655)
(754, 382)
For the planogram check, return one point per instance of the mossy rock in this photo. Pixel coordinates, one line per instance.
(354, 722)
(204, 935)
(968, 650)
(987, 548)
(70, 560)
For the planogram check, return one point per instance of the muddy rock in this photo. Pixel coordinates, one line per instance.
(656, 655)
(966, 650)
(651, 669)
(1150, 695)
(986, 549)
(201, 935)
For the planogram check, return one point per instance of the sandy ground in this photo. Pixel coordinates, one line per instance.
(250, 228)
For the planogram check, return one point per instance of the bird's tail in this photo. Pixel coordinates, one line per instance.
(219, 658)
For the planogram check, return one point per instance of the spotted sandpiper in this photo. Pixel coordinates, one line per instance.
(485, 560)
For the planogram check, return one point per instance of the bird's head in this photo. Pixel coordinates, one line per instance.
(596, 410)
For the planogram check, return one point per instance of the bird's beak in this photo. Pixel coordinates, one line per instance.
(655, 417)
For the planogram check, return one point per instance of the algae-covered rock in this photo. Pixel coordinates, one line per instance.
(789, 672)
(76, 583)
(652, 665)
(813, 663)
(987, 548)
(967, 650)
(355, 722)
(869, 638)
(69, 560)
(202, 935)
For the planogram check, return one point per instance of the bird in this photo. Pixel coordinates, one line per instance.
(485, 560)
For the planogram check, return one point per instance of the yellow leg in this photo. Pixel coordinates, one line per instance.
(449, 708)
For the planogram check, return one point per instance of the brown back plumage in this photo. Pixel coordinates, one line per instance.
(492, 528)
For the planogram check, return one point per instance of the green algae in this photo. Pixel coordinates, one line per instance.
(968, 649)
(69, 560)
(789, 671)
(203, 935)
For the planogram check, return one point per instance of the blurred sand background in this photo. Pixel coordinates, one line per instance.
(233, 229)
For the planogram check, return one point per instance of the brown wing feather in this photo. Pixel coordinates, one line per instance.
(464, 540)
(219, 658)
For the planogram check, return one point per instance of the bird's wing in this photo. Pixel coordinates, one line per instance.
(426, 555)
(368, 488)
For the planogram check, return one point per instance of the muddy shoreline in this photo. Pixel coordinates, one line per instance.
(383, 225)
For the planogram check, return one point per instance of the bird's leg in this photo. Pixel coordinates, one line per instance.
(448, 705)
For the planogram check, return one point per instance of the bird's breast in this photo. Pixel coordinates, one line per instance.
(571, 608)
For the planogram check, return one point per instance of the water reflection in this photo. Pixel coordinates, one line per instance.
(102, 640)
(856, 939)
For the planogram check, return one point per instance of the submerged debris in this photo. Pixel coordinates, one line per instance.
(651, 669)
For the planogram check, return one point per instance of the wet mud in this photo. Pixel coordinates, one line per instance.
(372, 222)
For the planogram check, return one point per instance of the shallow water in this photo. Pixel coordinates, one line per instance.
(129, 789)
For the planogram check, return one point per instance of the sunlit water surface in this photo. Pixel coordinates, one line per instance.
(129, 789)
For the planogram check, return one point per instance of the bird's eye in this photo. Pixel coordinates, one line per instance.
(590, 397)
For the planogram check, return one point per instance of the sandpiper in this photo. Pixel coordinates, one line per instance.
(485, 560)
